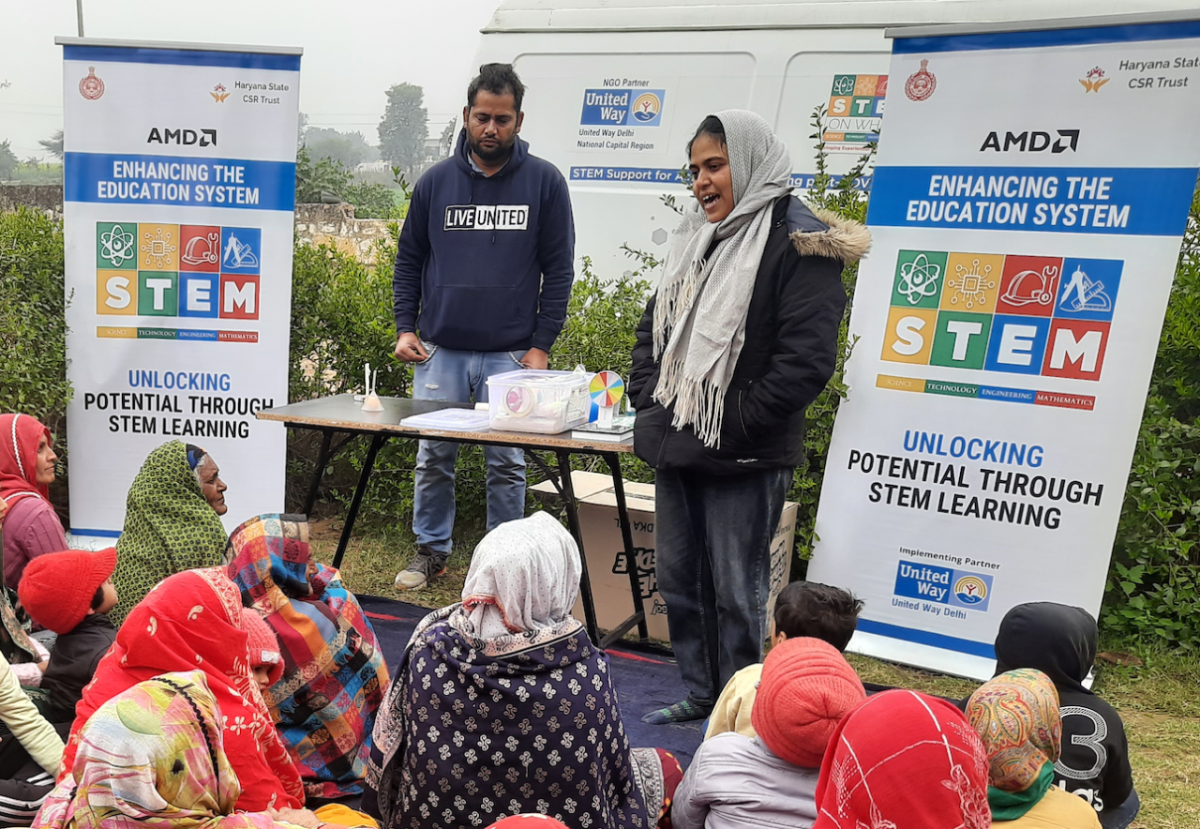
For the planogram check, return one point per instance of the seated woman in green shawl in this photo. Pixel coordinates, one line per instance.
(171, 522)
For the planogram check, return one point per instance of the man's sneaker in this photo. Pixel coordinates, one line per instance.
(685, 711)
(426, 565)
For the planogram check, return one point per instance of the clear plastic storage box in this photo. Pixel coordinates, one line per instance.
(546, 402)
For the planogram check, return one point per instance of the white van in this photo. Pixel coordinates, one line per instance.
(616, 88)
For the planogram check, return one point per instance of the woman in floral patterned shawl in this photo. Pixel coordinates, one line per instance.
(193, 621)
(334, 676)
(152, 755)
(502, 705)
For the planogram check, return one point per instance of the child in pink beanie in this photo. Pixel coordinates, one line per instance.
(265, 658)
(807, 686)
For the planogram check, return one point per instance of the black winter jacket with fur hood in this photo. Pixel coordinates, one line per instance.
(788, 357)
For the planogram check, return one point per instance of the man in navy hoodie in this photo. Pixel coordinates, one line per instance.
(483, 274)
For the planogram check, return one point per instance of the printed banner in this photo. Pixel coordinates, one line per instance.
(1007, 319)
(179, 192)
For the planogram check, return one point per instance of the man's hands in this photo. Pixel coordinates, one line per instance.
(535, 358)
(409, 348)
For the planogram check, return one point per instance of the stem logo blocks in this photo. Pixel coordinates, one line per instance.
(164, 270)
(1035, 315)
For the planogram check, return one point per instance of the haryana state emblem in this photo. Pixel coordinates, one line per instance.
(920, 84)
(91, 87)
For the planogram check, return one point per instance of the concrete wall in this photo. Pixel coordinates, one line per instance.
(335, 224)
(47, 198)
(316, 224)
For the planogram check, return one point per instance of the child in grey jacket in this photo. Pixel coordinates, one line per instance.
(736, 782)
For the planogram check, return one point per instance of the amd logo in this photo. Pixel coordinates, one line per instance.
(204, 138)
(1031, 142)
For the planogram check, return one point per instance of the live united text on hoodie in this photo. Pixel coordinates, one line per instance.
(486, 263)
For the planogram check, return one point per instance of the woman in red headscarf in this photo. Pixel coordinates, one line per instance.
(193, 621)
(31, 527)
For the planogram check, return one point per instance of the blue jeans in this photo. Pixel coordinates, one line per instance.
(460, 377)
(713, 557)
(1124, 814)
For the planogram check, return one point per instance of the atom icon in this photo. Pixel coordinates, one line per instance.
(919, 279)
(971, 285)
(843, 85)
(117, 245)
(157, 248)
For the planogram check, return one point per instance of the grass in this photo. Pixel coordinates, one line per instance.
(1158, 700)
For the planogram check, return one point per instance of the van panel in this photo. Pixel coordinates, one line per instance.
(674, 61)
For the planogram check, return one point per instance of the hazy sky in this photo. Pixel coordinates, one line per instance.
(353, 51)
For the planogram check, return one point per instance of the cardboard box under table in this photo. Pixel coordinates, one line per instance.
(607, 562)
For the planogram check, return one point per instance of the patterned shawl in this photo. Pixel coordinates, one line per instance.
(169, 528)
(193, 620)
(524, 576)
(334, 676)
(1017, 718)
(153, 755)
(903, 760)
(474, 728)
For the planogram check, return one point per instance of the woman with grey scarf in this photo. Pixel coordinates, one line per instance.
(739, 339)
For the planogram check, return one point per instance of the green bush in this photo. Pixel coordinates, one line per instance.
(341, 321)
(1153, 590)
(841, 198)
(33, 325)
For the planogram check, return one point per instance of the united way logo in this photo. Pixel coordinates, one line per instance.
(943, 585)
(920, 84)
(91, 87)
(622, 107)
(971, 590)
(646, 108)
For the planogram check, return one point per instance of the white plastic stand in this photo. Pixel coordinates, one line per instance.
(371, 402)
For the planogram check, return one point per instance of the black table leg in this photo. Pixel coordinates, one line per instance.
(322, 462)
(360, 490)
(585, 581)
(635, 583)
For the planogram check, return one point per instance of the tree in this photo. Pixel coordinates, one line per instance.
(350, 148)
(8, 161)
(301, 127)
(402, 132)
(329, 182)
(54, 144)
(448, 134)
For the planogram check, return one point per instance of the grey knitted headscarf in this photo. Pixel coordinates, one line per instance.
(700, 313)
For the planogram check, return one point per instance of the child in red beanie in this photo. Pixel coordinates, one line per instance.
(807, 686)
(265, 658)
(71, 593)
